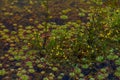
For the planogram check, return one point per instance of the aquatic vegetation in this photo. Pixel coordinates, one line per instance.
(59, 39)
(2, 72)
(24, 77)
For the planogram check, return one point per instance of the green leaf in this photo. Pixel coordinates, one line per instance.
(24, 77)
(81, 14)
(64, 17)
(100, 58)
(29, 63)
